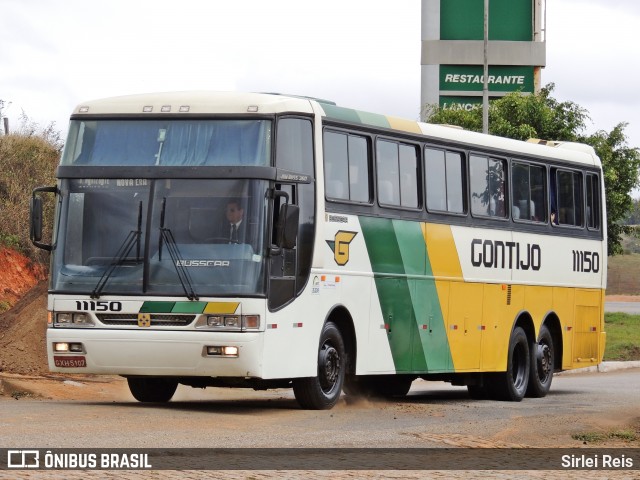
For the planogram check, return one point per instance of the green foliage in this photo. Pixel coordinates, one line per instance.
(542, 116)
(623, 336)
(620, 164)
(28, 159)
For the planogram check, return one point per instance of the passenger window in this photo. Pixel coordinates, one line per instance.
(397, 174)
(346, 164)
(443, 171)
(488, 186)
(528, 184)
(566, 198)
(593, 202)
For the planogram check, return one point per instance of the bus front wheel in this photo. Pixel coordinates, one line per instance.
(323, 391)
(152, 389)
(512, 384)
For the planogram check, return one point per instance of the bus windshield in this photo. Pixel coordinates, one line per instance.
(168, 142)
(161, 237)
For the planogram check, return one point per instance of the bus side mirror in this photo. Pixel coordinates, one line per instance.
(287, 232)
(286, 229)
(36, 219)
(36, 223)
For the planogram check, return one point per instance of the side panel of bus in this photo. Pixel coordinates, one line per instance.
(445, 298)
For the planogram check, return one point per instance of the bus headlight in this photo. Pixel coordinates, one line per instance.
(229, 323)
(75, 319)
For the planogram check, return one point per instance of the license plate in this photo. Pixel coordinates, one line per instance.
(69, 362)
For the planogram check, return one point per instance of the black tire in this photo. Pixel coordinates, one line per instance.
(512, 384)
(152, 389)
(323, 391)
(541, 365)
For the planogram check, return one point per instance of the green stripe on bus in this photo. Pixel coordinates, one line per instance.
(339, 113)
(189, 307)
(408, 297)
(157, 307)
(374, 119)
(394, 290)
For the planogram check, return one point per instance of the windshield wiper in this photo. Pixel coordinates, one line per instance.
(132, 238)
(176, 258)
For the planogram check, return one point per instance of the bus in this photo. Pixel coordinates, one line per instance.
(375, 251)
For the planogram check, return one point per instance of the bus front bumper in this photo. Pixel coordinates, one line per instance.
(162, 353)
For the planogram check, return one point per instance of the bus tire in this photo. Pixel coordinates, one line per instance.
(542, 362)
(152, 389)
(323, 391)
(512, 384)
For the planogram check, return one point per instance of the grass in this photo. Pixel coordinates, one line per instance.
(622, 275)
(625, 435)
(623, 336)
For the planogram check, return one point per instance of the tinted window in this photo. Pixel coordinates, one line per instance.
(346, 163)
(397, 174)
(488, 186)
(528, 183)
(593, 202)
(443, 171)
(566, 198)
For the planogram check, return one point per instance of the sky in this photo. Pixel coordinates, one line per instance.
(363, 54)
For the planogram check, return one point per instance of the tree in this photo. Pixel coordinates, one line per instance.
(542, 116)
(620, 164)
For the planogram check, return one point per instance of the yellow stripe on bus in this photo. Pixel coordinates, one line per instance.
(221, 307)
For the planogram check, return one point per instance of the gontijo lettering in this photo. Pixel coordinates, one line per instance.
(499, 254)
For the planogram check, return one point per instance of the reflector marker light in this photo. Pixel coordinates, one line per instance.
(272, 325)
(297, 325)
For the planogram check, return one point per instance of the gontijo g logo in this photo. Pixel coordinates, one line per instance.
(340, 246)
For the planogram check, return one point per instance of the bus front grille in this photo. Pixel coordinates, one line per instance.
(131, 319)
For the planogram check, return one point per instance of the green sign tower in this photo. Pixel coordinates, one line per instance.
(453, 50)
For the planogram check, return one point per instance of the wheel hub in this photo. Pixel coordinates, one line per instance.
(329, 367)
(544, 360)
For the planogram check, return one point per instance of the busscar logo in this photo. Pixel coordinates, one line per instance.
(340, 246)
(23, 459)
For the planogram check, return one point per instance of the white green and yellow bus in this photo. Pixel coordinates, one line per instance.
(375, 251)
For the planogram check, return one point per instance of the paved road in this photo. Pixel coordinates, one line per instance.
(624, 307)
(434, 414)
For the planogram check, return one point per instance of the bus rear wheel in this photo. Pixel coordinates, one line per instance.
(323, 391)
(152, 389)
(512, 384)
(542, 361)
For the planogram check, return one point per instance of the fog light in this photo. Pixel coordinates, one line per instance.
(222, 351)
(61, 347)
(230, 351)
